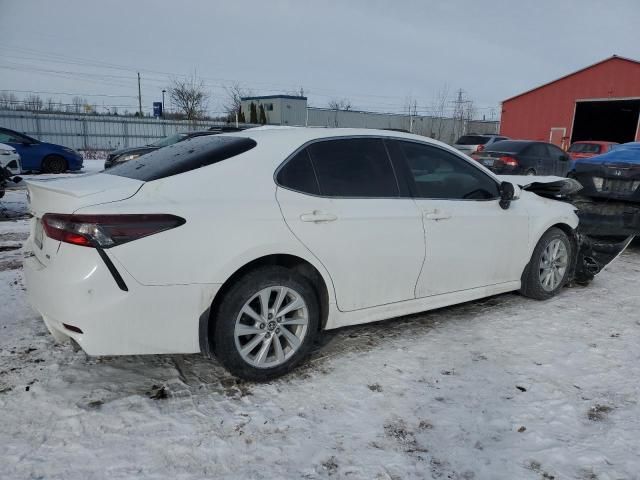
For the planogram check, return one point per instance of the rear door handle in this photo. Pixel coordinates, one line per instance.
(318, 217)
(437, 215)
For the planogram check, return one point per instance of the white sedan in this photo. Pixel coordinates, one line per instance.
(10, 159)
(246, 245)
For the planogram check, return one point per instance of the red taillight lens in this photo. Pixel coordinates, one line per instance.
(106, 231)
(507, 160)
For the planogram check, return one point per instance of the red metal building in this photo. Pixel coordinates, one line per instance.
(599, 102)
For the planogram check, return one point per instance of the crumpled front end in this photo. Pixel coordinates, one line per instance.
(607, 225)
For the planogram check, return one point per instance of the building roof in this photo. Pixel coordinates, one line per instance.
(613, 57)
(267, 97)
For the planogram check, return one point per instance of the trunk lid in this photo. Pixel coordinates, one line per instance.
(66, 195)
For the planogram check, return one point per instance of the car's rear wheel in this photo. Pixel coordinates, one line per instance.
(54, 164)
(266, 323)
(548, 270)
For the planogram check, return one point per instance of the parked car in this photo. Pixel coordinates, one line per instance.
(475, 143)
(246, 245)
(41, 156)
(613, 175)
(131, 153)
(10, 159)
(586, 149)
(525, 157)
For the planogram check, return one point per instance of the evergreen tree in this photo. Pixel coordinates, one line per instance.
(253, 113)
(241, 118)
(263, 116)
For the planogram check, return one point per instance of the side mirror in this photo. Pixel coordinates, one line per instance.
(507, 194)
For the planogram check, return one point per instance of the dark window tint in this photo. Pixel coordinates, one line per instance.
(297, 174)
(507, 146)
(585, 148)
(182, 157)
(355, 167)
(10, 137)
(537, 150)
(472, 140)
(437, 173)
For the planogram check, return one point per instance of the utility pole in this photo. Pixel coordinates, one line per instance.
(139, 96)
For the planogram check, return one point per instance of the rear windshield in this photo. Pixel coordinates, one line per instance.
(585, 148)
(507, 146)
(472, 140)
(182, 157)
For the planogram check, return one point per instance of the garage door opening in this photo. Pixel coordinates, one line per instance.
(607, 120)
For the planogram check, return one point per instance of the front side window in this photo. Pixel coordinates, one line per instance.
(353, 167)
(439, 174)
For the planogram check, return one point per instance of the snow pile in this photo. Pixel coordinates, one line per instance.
(504, 388)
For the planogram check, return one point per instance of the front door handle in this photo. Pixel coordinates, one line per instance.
(437, 215)
(318, 217)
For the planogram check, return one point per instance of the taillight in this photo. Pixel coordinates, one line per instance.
(479, 148)
(106, 231)
(507, 160)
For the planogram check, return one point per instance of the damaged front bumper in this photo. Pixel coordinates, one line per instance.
(607, 226)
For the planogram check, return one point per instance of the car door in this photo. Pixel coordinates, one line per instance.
(537, 159)
(471, 241)
(560, 159)
(341, 199)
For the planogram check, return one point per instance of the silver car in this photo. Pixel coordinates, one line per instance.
(475, 143)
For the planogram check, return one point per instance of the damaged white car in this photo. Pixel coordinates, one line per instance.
(246, 245)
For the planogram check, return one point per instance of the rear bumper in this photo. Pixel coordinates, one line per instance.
(77, 289)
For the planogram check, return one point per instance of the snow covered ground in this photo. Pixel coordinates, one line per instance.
(504, 388)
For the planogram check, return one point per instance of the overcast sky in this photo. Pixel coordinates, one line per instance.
(374, 53)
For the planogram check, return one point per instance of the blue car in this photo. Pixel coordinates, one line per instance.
(614, 175)
(41, 156)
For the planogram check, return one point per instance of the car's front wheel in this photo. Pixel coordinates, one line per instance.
(550, 265)
(54, 164)
(266, 323)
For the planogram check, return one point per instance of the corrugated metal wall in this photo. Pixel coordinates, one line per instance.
(444, 129)
(99, 132)
(102, 132)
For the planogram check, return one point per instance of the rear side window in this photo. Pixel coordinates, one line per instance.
(472, 140)
(297, 174)
(354, 167)
(182, 157)
(537, 150)
(585, 148)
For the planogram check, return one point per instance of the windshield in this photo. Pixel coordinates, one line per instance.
(170, 140)
(472, 140)
(584, 148)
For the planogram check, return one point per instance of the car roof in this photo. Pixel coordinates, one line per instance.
(301, 135)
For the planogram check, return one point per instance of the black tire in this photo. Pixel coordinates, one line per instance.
(532, 286)
(225, 348)
(54, 164)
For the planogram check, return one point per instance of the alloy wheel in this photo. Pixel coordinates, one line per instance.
(271, 326)
(553, 264)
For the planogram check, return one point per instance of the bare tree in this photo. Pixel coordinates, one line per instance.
(50, 105)
(78, 104)
(340, 104)
(233, 102)
(189, 97)
(438, 111)
(33, 102)
(8, 101)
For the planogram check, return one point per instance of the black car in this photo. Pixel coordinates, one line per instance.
(131, 153)
(525, 157)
